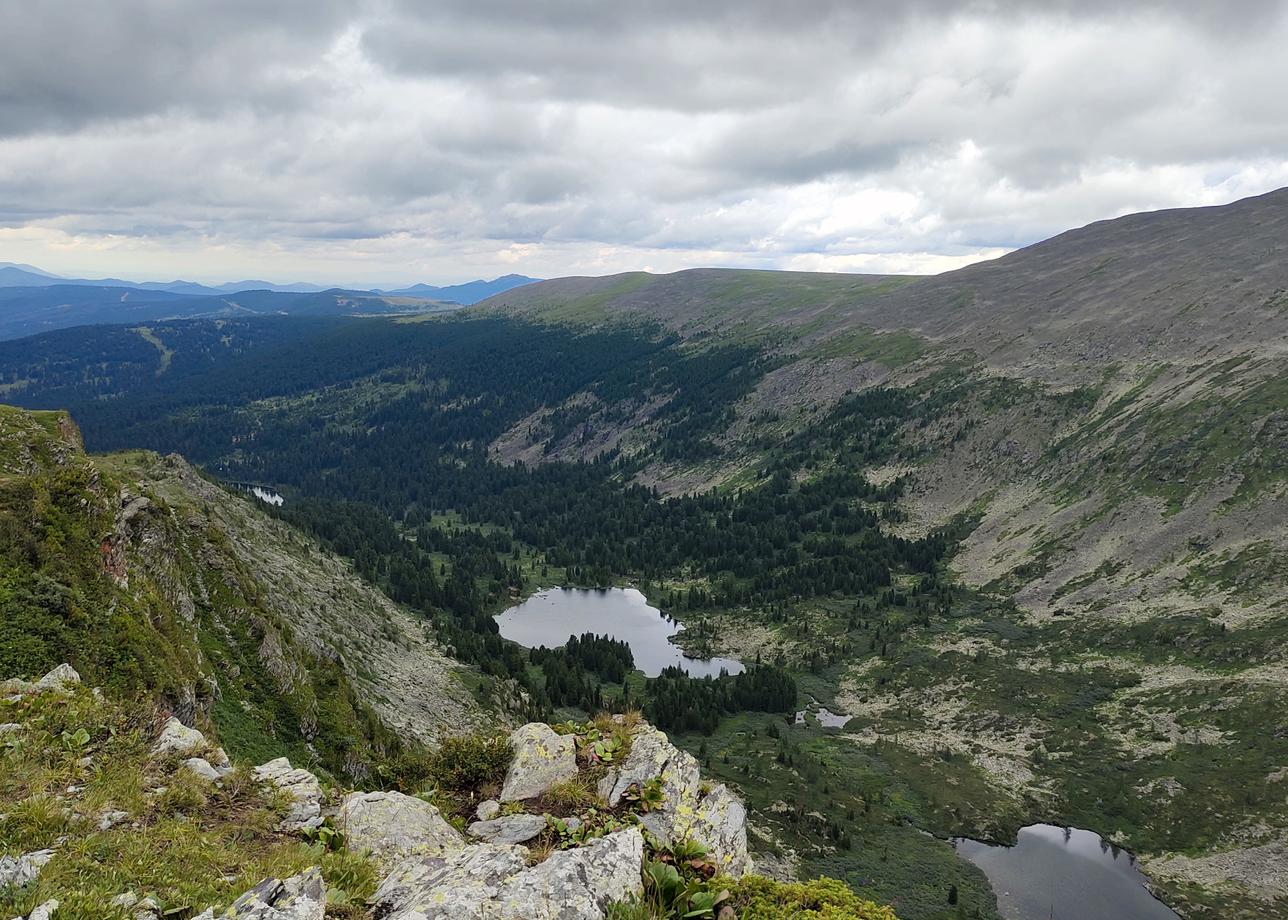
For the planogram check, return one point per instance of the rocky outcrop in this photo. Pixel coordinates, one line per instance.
(302, 897)
(492, 882)
(391, 825)
(542, 758)
(301, 787)
(716, 819)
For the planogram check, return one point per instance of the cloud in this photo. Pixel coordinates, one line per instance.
(395, 140)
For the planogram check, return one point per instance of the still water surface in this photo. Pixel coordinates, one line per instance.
(1057, 873)
(550, 617)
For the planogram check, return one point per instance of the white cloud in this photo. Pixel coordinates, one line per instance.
(383, 141)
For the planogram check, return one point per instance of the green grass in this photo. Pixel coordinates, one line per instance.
(192, 846)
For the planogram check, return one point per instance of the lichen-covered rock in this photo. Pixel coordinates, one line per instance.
(302, 787)
(391, 825)
(576, 884)
(509, 828)
(492, 882)
(22, 870)
(653, 756)
(717, 820)
(542, 758)
(177, 738)
(302, 897)
(455, 886)
(720, 824)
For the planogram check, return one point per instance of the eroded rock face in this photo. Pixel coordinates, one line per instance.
(303, 788)
(509, 828)
(542, 758)
(392, 825)
(492, 882)
(302, 897)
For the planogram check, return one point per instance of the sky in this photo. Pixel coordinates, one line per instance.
(395, 141)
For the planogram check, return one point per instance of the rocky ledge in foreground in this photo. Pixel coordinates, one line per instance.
(567, 822)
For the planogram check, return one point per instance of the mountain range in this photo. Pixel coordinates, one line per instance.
(1021, 525)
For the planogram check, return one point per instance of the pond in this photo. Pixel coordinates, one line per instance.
(1058, 873)
(550, 617)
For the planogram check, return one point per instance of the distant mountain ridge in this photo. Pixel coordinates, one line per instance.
(469, 293)
(16, 274)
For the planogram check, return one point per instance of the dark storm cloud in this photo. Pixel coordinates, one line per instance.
(590, 135)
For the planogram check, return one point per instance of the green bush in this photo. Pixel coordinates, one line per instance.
(757, 898)
(470, 761)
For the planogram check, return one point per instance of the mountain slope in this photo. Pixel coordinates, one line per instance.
(147, 577)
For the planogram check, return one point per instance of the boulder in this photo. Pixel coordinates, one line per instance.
(488, 810)
(454, 886)
(492, 882)
(302, 787)
(43, 912)
(202, 768)
(391, 825)
(720, 824)
(177, 738)
(717, 820)
(17, 871)
(542, 758)
(509, 828)
(60, 678)
(577, 884)
(302, 897)
(653, 756)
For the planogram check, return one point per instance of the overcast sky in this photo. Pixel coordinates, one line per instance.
(411, 140)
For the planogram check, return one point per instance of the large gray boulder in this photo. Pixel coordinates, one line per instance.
(492, 882)
(177, 738)
(455, 886)
(302, 897)
(717, 819)
(301, 787)
(542, 758)
(720, 824)
(391, 825)
(509, 828)
(577, 884)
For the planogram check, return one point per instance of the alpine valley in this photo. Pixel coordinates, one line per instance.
(998, 547)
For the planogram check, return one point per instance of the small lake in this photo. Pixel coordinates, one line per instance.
(550, 617)
(267, 495)
(1057, 873)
